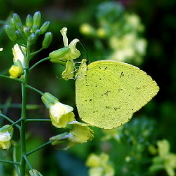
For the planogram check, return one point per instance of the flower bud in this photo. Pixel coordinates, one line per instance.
(38, 32)
(47, 40)
(32, 38)
(16, 18)
(29, 21)
(19, 34)
(12, 23)
(44, 27)
(11, 33)
(34, 28)
(48, 99)
(57, 55)
(27, 31)
(37, 18)
(19, 26)
(15, 71)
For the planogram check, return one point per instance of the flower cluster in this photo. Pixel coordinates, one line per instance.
(99, 165)
(121, 30)
(165, 159)
(66, 54)
(28, 35)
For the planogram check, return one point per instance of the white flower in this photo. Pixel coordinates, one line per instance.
(18, 55)
(61, 114)
(5, 140)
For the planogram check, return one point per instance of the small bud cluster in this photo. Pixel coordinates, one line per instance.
(29, 32)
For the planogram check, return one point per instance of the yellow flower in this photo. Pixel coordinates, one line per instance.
(16, 70)
(60, 114)
(70, 51)
(165, 158)
(73, 52)
(87, 29)
(134, 21)
(80, 132)
(1, 49)
(99, 165)
(168, 157)
(5, 136)
(68, 73)
(101, 33)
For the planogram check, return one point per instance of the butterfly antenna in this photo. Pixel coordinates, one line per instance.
(84, 47)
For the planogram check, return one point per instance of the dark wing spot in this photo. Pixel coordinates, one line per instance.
(107, 92)
(116, 108)
(121, 74)
(120, 90)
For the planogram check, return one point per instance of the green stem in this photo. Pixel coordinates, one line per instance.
(38, 120)
(25, 157)
(15, 160)
(23, 122)
(36, 52)
(9, 162)
(11, 121)
(14, 79)
(15, 123)
(38, 148)
(42, 60)
(29, 106)
(34, 89)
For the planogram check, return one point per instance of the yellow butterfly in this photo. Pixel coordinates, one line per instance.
(109, 92)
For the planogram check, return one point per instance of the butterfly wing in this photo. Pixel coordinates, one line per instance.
(109, 92)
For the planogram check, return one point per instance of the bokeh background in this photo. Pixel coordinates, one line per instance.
(158, 18)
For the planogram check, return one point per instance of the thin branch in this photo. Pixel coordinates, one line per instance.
(40, 61)
(38, 148)
(38, 120)
(7, 118)
(9, 162)
(34, 89)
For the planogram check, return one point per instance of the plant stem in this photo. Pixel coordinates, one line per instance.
(23, 122)
(38, 148)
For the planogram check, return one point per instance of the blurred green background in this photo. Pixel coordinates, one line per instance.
(159, 19)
